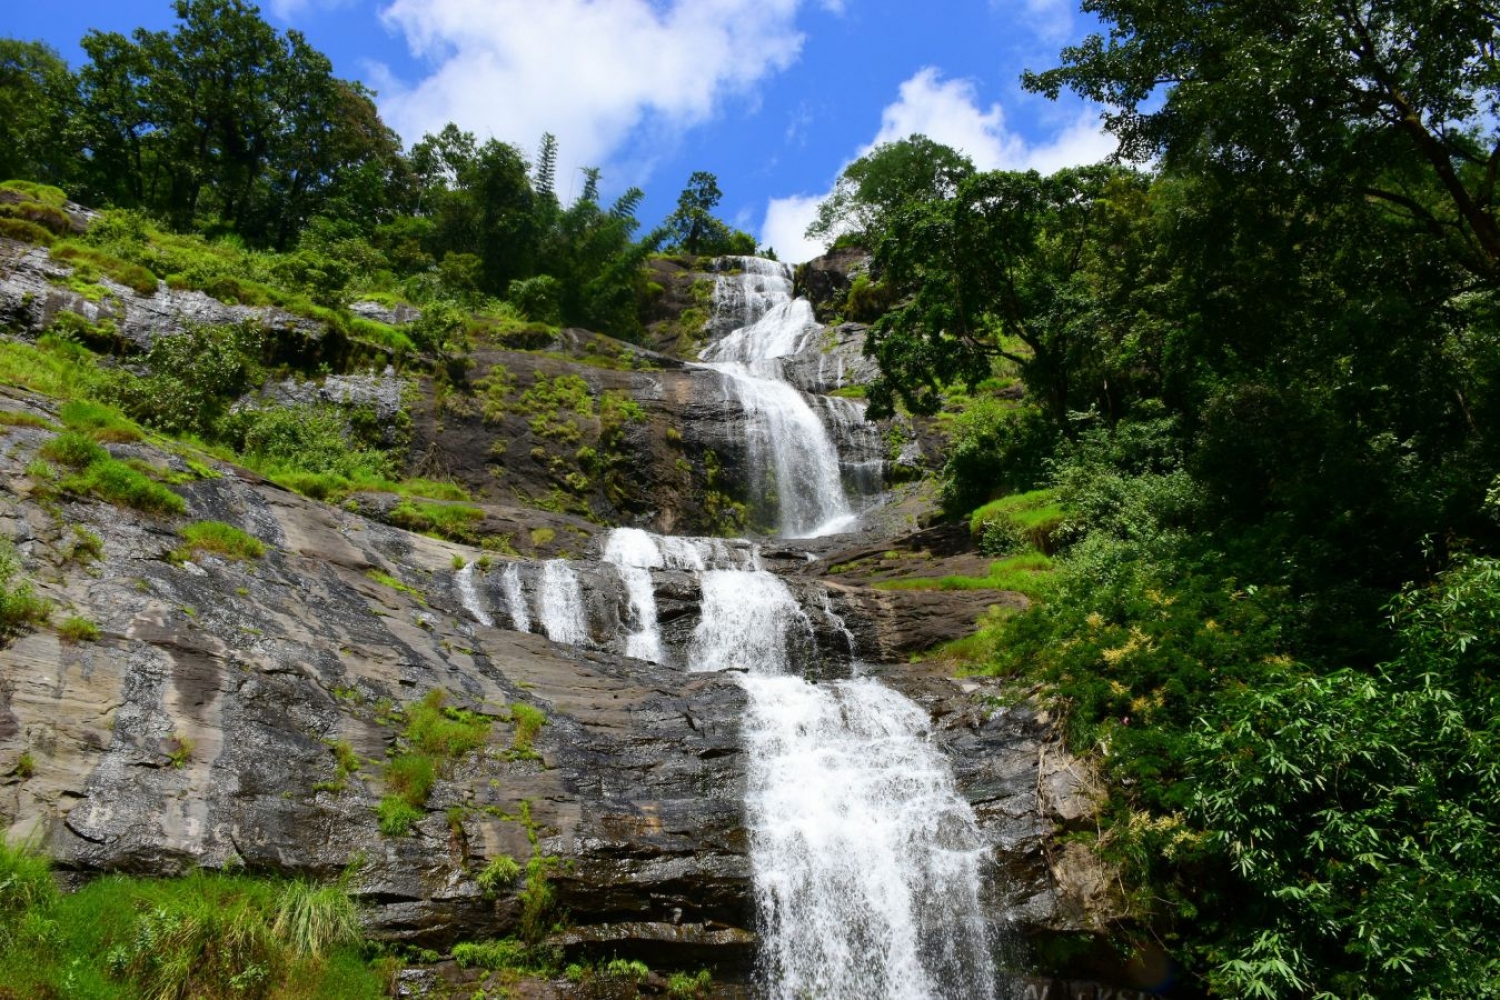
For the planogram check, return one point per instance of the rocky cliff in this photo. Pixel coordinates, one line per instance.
(244, 710)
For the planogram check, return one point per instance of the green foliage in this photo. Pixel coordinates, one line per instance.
(528, 721)
(1028, 573)
(435, 728)
(995, 446)
(1018, 522)
(628, 968)
(694, 230)
(132, 276)
(454, 522)
(100, 422)
(20, 607)
(688, 985)
(182, 751)
(24, 231)
(220, 539)
(397, 816)
(76, 628)
(411, 777)
(192, 379)
(498, 874)
(201, 935)
(870, 190)
(101, 476)
(504, 953)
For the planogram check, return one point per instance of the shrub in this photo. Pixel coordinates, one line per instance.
(1018, 522)
(632, 968)
(686, 986)
(220, 539)
(995, 448)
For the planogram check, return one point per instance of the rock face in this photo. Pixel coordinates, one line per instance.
(212, 721)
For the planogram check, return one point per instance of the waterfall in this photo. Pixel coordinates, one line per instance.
(866, 860)
(562, 604)
(791, 452)
(515, 598)
(634, 554)
(470, 596)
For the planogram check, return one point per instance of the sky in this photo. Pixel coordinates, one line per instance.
(774, 97)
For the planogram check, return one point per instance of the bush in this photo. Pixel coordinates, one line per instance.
(75, 450)
(996, 448)
(501, 871)
(539, 299)
(506, 953)
(1018, 522)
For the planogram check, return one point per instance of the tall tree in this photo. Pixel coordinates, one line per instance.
(38, 95)
(871, 189)
(1396, 99)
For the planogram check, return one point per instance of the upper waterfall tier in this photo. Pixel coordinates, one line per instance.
(794, 460)
(761, 318)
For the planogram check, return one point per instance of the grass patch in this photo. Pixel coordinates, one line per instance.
(454, 522)
(76, 628)
(528, 721)
(20, 607)
(397, 816)
(204, 935)
(133, 276)
(1018, 521)
(25, 231)
(1027, 574)
(10, 418)
(386, 580)
(220, 539)
(437, 728)
(99, 421)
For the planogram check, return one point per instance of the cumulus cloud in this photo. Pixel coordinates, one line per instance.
(592, 72)
(949, 112)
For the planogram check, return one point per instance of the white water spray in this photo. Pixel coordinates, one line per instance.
(470, 596)
(515, 598)
(634, 554)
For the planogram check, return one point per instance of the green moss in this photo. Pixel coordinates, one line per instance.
(99, 421)
(1018, 521)
(10, 418)
(25, 232)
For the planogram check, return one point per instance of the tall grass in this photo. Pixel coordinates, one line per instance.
(204, 935)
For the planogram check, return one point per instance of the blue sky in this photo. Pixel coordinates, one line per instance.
(772, 96)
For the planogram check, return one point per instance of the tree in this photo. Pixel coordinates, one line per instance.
(1398, 100)
(693, 227)
(37, 96)
(872, 188)
(996, 271)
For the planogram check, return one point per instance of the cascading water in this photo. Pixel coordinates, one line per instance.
(791, 453)
(561, 602)
(866, 861)
(634, 555)
(515, 598)
(469, 595)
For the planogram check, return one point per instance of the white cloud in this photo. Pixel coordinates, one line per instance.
(948, 112)
(592, 72)
(1051, 20)
(787, 220)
